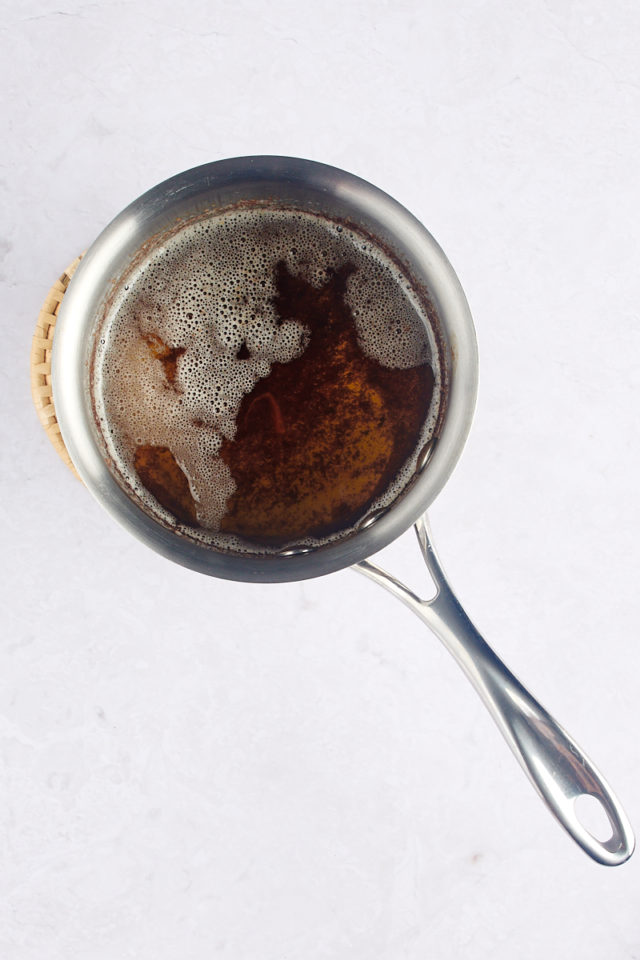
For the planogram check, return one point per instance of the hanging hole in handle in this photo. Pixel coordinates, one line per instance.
(593, 817)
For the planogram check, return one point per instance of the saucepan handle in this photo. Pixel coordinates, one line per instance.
(553, 761)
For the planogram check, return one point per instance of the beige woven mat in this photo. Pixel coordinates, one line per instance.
(42, 343)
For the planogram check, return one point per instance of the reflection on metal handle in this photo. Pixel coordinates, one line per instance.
(552, 760)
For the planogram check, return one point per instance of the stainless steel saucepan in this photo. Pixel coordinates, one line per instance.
(554, 763)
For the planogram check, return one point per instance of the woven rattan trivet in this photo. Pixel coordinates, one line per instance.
(42, 343)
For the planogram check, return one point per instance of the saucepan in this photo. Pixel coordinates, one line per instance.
(555, 765)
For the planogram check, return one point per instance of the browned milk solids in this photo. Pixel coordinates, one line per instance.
(266, 377)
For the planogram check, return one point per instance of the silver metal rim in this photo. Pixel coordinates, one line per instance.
(216, 184)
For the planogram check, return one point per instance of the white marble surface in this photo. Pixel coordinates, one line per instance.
(194, 769)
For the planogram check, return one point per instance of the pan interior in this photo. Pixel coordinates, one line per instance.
(265, 379)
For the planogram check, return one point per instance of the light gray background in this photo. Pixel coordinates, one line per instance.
(196, 769)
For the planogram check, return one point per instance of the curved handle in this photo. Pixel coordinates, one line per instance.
(555, 764)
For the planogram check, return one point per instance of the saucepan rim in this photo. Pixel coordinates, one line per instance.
(206, 187)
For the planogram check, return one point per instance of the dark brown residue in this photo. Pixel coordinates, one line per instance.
(324, 435)
(163, 477)
(168, 356)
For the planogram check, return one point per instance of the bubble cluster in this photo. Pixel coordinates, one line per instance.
(195, 328)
